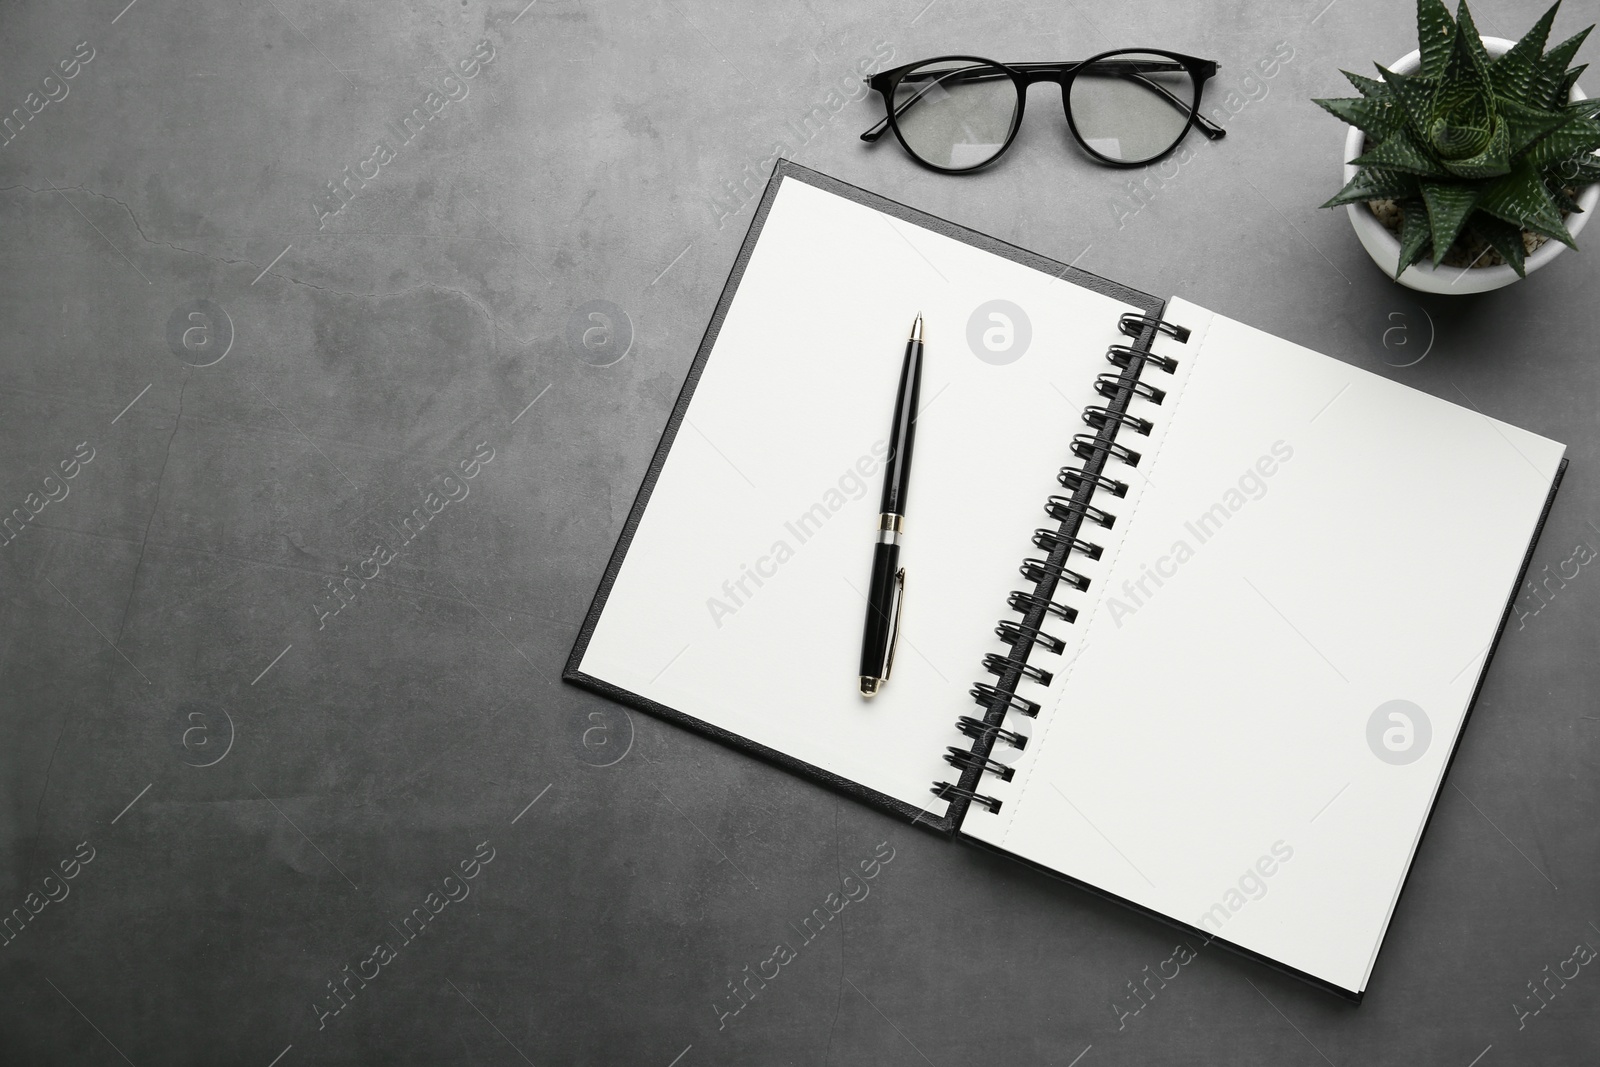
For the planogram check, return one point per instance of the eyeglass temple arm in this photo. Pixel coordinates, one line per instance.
(1211, 130)
(1130, 69)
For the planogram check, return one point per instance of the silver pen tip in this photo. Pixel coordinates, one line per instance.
(870, 686)
(916, 329)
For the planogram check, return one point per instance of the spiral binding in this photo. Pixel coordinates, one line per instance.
(1107, 386)
(977, 729)
(1048, 539)
(1073, 512)
(955, 794)
(1026, 602)
(1013, 632)
(986, 695)
(1035, 569)
(1000, 666)
(1088, 446)
(1138, 326)
(963, 758)
(1098, 415)
(1123, 355)
(1072, 478)
(1059, 507)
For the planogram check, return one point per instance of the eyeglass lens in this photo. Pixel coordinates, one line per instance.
(1132, 106)
(955, 113)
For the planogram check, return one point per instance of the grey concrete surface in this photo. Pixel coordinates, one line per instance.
(252, 792)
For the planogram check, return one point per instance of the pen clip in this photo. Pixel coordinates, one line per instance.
(894, 620)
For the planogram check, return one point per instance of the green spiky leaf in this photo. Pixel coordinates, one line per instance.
(1525, 125)
(1448, 208)
(1373, 183)
(1562, 200)
(1546, 89)
(1364, 86)
(1573, 141)
(1577, 173)
(1400, 151)
(1564, 91)
(1522, 199)
(1414, 235)
(1413, 97)
(1375, 117)
(1436, 33)
(1467, 39)
(1503, 237)
(1513, 73)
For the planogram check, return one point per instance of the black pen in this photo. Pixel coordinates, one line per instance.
(888, 585)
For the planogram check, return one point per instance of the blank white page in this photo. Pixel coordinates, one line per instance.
(1205, 750)
(776, 472)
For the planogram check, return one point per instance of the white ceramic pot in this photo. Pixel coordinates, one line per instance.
(1384, 247)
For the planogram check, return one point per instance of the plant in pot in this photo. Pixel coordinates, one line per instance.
(1479, 155)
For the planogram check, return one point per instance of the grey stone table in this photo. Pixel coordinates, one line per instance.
(239, 750)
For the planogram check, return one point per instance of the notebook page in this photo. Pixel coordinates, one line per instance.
(741, 598)
(1274, 671)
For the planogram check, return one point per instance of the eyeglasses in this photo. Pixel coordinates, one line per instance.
(1126, 108)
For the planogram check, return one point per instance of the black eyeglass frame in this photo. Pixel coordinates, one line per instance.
(1023, 75)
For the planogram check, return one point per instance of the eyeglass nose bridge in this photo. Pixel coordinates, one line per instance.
(1031, 74)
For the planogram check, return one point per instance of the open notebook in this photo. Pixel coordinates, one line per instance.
(1294, 573)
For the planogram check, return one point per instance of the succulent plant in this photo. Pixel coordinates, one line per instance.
(1473, 146)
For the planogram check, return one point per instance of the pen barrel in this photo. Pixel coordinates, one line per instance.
(877, 634)
(903, 432)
